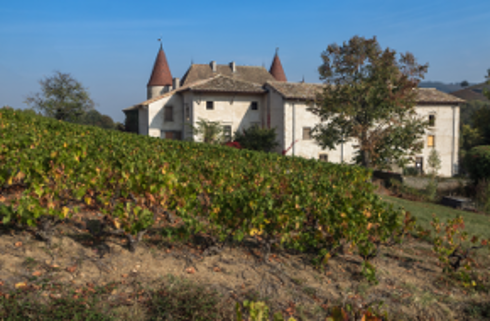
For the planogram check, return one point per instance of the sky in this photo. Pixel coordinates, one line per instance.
(110, 46)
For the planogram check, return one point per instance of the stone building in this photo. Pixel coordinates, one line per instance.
(242, 96)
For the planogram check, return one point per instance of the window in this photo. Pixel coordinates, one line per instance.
(254, 105)
(323, 157)
(168, 114)
(419, 164)
(306, 133)
(171, 134)
(227, 132)
(210, 105)
(432, 120)
(187, 112)
(431, 141)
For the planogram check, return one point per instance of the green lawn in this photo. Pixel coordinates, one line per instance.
(476, 224)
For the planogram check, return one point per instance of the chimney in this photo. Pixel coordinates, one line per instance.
(233, 67)
(213, 65)
(176, 83)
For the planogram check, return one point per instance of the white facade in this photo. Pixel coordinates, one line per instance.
(269, 105)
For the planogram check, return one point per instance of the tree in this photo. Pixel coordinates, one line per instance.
(256, 138)
(464, 83)
(62, 97)
(486, 92)
(94, 118)
(210, 132)
(369, 97)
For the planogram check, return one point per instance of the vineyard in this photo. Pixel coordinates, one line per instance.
(215, 196)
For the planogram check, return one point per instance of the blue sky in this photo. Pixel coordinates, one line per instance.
(110, 46)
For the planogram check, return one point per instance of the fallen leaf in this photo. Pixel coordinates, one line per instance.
(18, 244)
(124, 275)
(20, 285)
(37, 273)
(216, 269)
(71, 269)
(190, 270)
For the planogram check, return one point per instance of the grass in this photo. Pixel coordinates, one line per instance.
(174, 299)
(476, 224)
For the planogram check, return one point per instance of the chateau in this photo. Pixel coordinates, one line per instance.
(242, 96)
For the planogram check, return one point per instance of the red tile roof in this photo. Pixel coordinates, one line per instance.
(276, 69)
(160, 75)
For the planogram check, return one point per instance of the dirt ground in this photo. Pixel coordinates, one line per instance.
(411, 284)
(408, 289)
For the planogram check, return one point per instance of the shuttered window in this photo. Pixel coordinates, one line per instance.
(172, 134)
(431, 141)
(323, 157)
(168, 114)
(306, 133)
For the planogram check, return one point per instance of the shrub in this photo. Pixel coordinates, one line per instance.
(256, 138)
(478, 162)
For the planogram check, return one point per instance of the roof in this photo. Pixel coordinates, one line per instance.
(305, 91)
(221, 83)
(432, 95)
(253, 74)
(296, 90)
(276, 69)
(160, 76)
(218, 83)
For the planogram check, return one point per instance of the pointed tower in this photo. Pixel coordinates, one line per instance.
(276, 68)
(161, 78)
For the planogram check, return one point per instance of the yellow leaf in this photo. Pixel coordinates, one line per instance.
(53, 154)
(10, 180)
(117, 224)
(343, 215)
(369, 226)
(88, 200)
(20, 285)
(65, 211)
(64, 145)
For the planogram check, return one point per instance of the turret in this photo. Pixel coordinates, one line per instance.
(276, 68)
(161, 79)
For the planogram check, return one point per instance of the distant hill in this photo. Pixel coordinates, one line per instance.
(474, 92)
(447, 88)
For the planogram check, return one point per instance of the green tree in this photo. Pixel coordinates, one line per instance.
(464, 83)
(369, 97)
(256, 138)
(486, 92)
(470, 137)
(62, 97)
(209, 132)
(95, 118)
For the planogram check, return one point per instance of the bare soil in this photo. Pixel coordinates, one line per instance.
(411, 284)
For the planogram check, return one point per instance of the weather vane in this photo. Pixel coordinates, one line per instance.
(160, 41)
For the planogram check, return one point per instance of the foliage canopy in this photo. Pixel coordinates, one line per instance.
(62, 97)
(369, 97)
(256, 138)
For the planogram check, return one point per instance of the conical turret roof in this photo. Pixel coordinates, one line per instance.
(160, 76)
(276, 68)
